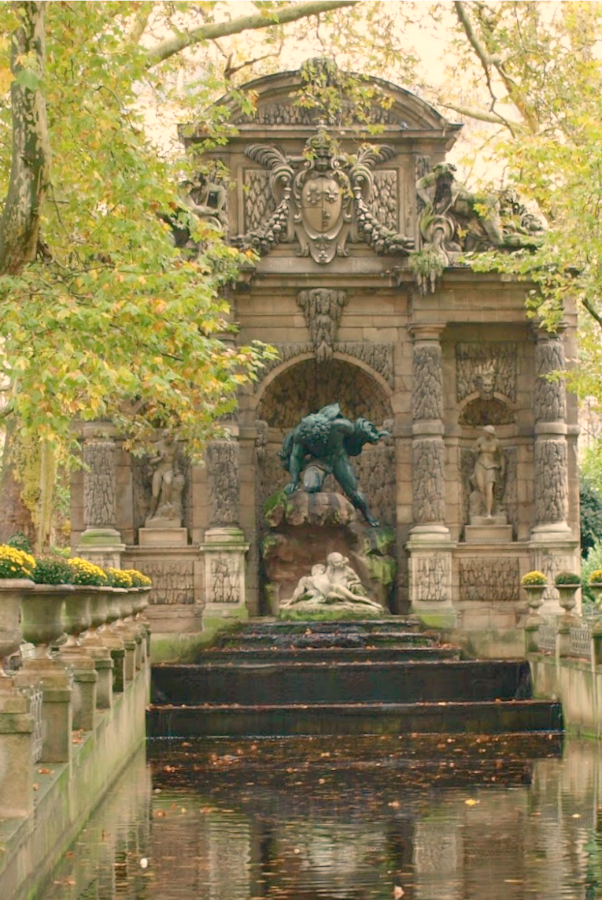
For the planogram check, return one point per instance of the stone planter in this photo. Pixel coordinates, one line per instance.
(534, 594)
(12, 591)
(76, 613)
(41, 612)
(567, 596)
(596, 589)
(141, 599)
(126, 603)
(113, 604)
(98, 605)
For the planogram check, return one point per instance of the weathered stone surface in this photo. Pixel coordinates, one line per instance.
(430, 581)
(322, 311)
(479, 412)
(288, 554)
(551, 482)
(259, 203)
(550, 396)
(383, 202)
(225, 578)
(427, 394)
(305, 388)
(99, 483)
(428, 481)
(173, 580)
(486, 368)
(223, 480)
(489, 579)
(376, 354)
(302, 508)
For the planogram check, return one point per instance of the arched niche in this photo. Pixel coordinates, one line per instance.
(305, 387)
(478, 411)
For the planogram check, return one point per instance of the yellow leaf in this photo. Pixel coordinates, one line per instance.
(471, 802)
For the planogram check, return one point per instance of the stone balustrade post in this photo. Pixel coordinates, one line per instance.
(531, 626)
(430, 546)
(101, 541)
(16, 752)
(55, 682)
(224, 547)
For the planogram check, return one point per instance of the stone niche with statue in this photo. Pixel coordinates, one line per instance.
(354, 237)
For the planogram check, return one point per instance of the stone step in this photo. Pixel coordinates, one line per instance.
(269, 655)
(362, 681)
(354, 719)
(291, 626)
(311, 639)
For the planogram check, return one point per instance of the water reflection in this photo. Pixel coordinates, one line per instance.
(309, 819)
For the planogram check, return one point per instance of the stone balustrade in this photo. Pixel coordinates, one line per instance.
(74, 669)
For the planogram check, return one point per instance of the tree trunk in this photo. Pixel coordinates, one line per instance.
(30, 168)
(15, 515)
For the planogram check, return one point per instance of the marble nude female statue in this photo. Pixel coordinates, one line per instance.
(335, 582)
(490, 467)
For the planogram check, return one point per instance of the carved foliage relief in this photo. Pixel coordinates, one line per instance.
(222, 477)
(225, 577)
(486, 368)
(430, 577)
(322, 311)
(428, 481)
(305, 388)
(489, 579)
(427, 394)
(378, 355)
(258, 200)
(384, 199)
(173, 581)
(99, 483)
(551, 483)
(550, 399)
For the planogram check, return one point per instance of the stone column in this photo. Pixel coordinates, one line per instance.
(224, 547)
(552, 544)
(430, 546)
(16, 752)
(100, 542)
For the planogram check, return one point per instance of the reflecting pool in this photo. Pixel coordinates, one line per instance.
(433, 818)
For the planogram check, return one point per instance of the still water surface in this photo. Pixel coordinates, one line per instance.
(352, 819)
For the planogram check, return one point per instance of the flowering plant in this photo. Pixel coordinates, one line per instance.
(119, 578)
(596, 577)
(138, 578)
(567, 578)
(534, 578)
(85, 572)
(52, 570)
(15, 563)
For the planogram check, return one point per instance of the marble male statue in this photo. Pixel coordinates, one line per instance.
(321, 445)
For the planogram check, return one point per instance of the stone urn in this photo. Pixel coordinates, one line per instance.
(116, 602)
(76, 613)
(567, 596)
(98, 606)
(41, 615)
(12, 591)
(141, 597)
(596, 589)
(534, 594)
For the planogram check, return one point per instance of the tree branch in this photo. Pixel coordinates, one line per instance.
(592, 311)
(290, 13)
(482, 116)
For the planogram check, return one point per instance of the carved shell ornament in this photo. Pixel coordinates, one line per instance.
(322, 201)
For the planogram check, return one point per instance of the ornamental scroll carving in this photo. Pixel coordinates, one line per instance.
(489, 579)
(427, 394)
(486, 369)
(551, 483)
(428, 481)
(321, 200)
(322, 311)
(431, 578)
(223, 480)
(550, 398)
(99, 484)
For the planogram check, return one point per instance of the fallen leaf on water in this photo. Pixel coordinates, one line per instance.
(471, 802)
(394, 804)
(397, 892)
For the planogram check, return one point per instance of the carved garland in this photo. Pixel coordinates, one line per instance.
(377, 355)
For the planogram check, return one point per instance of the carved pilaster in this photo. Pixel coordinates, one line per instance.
(428, 450)
(551, 453)
(101, 542)
(429, 546)
(223, 480)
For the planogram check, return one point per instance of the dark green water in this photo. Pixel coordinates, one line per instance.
(341, 819)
